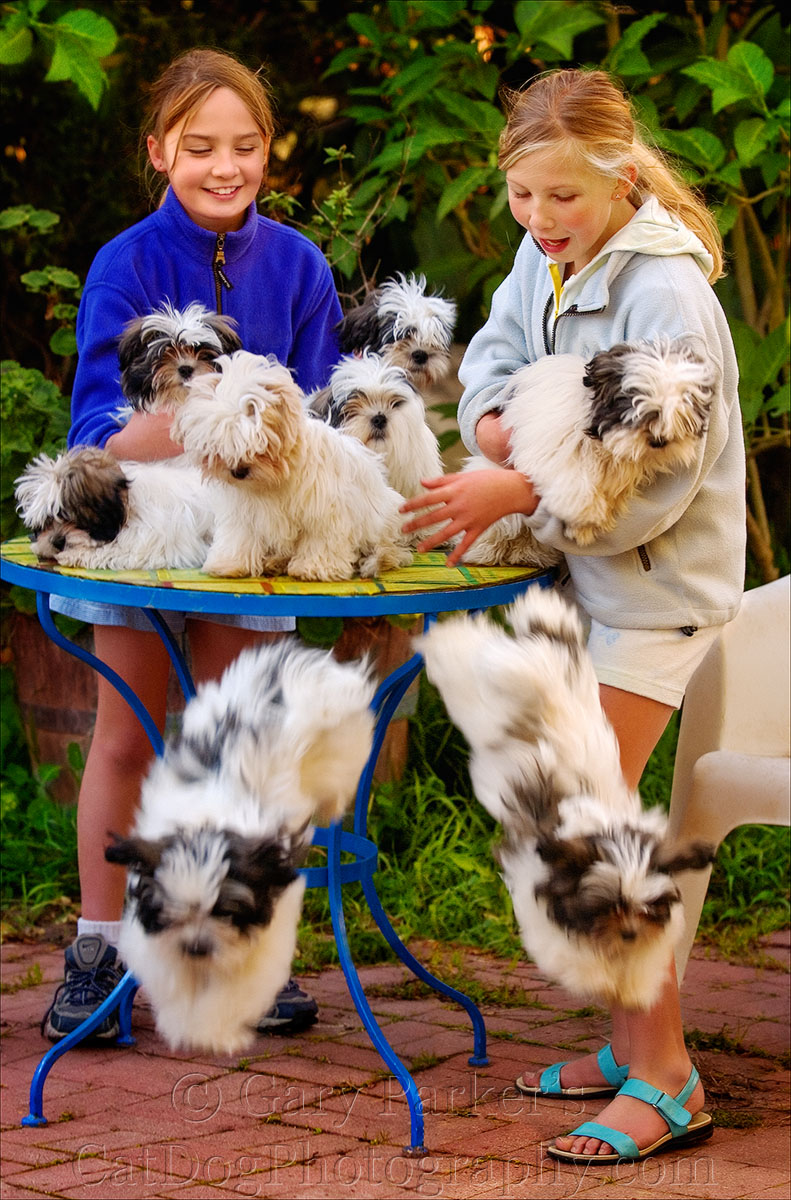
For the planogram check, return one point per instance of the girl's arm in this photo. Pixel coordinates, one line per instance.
(145, 437)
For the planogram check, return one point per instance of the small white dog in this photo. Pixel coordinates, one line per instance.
(161, 352)
(411, 329)
(590, 872)
(293, 494)
(213, 895)
(589, 435)
(89, 510)
(372, 400)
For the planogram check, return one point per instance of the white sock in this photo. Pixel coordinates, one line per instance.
(109, 930)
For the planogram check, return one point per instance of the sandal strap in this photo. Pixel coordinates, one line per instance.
(549, 1082)
(621, 1142)
(671, 1109)
(616, 1076)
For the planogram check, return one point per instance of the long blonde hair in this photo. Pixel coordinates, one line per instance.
(187, 82)
(584, 112)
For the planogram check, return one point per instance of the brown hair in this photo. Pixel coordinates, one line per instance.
(187, 82)
(587, 114)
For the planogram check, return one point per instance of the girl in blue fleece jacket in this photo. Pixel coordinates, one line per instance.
(619, 249)
(209, 130)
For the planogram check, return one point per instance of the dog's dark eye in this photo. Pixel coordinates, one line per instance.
(240, 472)
(398, 404)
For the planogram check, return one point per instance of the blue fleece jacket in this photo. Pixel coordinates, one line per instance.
(281, 295)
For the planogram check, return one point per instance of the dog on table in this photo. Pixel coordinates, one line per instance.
(590, 435)
(292, 494)
(590, 872)
(161, 352)
(370, 399)
(411, 329)
(213, 893)
(85, 508)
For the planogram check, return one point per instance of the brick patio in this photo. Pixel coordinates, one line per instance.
(318, 1116)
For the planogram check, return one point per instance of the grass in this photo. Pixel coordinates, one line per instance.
(437, 879)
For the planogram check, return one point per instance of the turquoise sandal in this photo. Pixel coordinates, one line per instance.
(684, 1129)
(550, 1086)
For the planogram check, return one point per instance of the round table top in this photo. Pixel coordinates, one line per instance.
(427, 585)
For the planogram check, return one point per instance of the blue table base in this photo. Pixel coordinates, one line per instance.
(333, 876)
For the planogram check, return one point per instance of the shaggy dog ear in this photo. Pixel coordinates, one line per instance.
(95, 497)
(136, 373)
(360, 327)
(138, 853)
(694, 856)
(225, 328)
(319, 403)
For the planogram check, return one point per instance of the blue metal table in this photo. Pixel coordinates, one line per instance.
(426, 588)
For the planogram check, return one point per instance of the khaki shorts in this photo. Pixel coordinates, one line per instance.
(657, 663)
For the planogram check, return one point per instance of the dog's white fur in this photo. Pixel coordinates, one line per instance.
(88, 509)
(589, 871)
(277, 744)
(370, 399)
(589, 435)
(411, 329)
(293, 494)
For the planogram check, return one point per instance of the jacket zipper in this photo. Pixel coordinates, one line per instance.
(221, 280)
(644, 559)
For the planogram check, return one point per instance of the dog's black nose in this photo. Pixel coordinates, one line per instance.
(240, 472)
(420, 357)
(379, 421)
(186, 371)
(199, 948)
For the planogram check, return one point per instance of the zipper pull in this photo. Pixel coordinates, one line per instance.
(219, 262)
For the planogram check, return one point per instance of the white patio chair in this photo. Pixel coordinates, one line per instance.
(732, 763)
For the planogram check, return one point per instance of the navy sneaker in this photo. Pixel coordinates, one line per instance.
(292, 1011)
(92, 971)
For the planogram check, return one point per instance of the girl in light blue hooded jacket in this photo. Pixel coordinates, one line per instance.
(620, 249)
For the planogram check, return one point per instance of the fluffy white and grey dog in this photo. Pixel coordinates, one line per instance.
(411, 329)
(161, 352)
(591, 434)
(372, 400)
(85, 508)
(590, 872)
(293, 494)
(213, 894)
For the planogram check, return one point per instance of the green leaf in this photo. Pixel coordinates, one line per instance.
(698, 146)
(12, 218)
(71, 62)
(749, 60)
(366, 27)
(16, 40)
(479, 115)
(554, 24)
(460, 188)
(320, 631)
(627, 56)
(94, 31)
(750, 139)
(35, 281)
(63, 342)
(43, 220)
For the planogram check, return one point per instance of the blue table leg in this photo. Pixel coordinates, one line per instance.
(391, 1059)
(120, 997)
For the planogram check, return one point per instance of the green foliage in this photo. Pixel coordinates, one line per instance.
(39, 835)
(35, 418)
(76, 42)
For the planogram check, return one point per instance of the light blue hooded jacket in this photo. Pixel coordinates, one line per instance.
(675, 559)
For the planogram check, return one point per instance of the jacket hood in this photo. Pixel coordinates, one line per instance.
(653, 231)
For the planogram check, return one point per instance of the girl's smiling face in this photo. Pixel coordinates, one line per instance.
(570, 210)
(214, 161)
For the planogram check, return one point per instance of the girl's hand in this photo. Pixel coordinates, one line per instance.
(469, 502)
(144, 438)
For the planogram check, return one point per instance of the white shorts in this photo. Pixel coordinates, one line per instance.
(657, 663)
